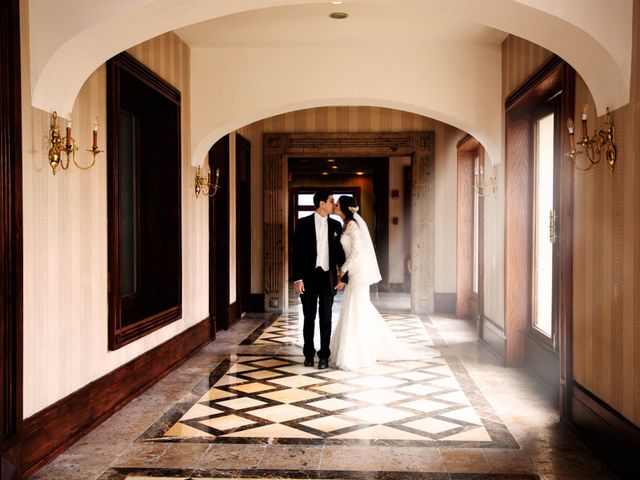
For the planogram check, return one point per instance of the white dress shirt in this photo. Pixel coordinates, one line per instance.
(322, 241)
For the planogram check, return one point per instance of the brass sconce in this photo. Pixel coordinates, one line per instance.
(204, 185)
(601, 142)
(67, 145)
(484, 185)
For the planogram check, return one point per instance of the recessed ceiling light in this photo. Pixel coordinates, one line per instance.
(336, 2)
(338, 15)
(335, 167)
(331, 160)
(325, 173)
(359, 173)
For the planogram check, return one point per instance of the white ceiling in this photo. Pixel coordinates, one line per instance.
(310, 25)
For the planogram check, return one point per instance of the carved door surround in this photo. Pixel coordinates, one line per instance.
(277, 147)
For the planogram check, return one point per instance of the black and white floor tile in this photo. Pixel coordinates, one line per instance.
(276, 399)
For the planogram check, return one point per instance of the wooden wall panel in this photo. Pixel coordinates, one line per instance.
(520, 58)
(518, 238)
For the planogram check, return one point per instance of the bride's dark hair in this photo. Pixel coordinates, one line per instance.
(349, 207)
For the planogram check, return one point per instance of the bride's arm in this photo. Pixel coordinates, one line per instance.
(353, 232)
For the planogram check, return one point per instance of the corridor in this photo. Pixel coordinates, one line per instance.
(246, 407)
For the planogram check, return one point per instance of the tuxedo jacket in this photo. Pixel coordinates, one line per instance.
(305, 250)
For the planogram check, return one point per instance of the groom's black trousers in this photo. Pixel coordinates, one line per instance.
(318, 292)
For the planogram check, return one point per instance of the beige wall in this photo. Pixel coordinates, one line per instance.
(347, 119)
(606, 253)
(446, 197)
(65, 240)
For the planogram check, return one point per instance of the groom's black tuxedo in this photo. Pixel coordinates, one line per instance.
(318, 284)
(305, 254)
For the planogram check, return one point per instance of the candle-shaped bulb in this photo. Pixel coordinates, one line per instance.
(585, 109)
(584, 121)
(570, 128)
(95, 134)
(68, 143)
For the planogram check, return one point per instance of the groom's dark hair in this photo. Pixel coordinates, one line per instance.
(321, 196)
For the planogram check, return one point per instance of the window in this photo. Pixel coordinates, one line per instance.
(478, 169)
(144, 196)
(303, 200)
(543, 211)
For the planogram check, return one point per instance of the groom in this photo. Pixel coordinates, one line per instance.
(317, 253)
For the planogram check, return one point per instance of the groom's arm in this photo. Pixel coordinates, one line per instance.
(298, 249)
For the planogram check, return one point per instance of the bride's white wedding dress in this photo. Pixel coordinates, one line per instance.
(362, 336)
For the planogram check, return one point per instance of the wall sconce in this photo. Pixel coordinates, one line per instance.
(67, 145)
(204, 185)
(601, 142)
(483, 185)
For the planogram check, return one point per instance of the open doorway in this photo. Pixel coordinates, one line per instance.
(365, 178)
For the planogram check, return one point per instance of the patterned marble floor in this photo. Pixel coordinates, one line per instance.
(245, 407)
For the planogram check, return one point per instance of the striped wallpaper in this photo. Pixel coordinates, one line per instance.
(606, 254)
(65, 240)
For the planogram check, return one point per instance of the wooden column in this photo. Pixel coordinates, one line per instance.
(422, 216)
(517, 279)
(464, 251)
(10, 243)
(275, 220)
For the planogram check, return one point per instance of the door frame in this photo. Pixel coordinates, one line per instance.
(277, 147)
(11, 243)
(468, 148)
(219, 239)
(552, 77)
(243, 227)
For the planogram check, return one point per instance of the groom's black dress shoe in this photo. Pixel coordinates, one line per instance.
(323, 363)
(308, 362)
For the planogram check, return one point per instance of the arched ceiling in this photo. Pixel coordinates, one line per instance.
(387, 53)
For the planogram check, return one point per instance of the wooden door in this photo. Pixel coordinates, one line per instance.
(219, 239)
(243, 224)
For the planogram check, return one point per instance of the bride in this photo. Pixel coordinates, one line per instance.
(362, 336)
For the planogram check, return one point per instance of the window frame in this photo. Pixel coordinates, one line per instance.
(294, 192)
(542, 109)
(122, 332)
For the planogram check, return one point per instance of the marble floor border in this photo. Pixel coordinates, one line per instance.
(259, 330)
(124, 473)
(495, 427)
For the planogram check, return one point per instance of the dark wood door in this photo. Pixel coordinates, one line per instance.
(10, 242)
(219, 239)
(243, 223)
(381, 207)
